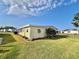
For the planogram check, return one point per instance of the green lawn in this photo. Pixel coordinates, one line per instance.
(63, 47)
(7, 38)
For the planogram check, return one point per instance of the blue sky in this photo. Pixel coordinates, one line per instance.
(60, 17)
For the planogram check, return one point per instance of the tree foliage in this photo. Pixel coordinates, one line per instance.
(75, 21)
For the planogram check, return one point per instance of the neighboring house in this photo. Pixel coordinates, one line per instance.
(7, 29)
(70, 31)
(34, 31)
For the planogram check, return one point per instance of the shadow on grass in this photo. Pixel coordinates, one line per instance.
(57, 37)
(7, 45)
(3, 51)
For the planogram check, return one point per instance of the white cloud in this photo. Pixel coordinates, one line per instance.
(32, 7)
(70, 2)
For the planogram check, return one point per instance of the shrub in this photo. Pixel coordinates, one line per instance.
(50, 33)
(15, 32)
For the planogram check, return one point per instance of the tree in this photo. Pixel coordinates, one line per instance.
(75, 21)
(51, 32)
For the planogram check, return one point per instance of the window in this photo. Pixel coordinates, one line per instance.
(27, 30)
(39, 31)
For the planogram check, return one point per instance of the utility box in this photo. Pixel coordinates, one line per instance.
(1, 40)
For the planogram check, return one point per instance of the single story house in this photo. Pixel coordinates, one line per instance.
(7, 29)
(70, 31)
(34, 31)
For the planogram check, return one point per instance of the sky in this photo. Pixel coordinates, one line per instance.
(58, 13)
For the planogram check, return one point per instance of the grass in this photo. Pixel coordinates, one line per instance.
(13, 36)
(61, 48)
(7, 38)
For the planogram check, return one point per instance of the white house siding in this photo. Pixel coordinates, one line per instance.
(70, 32)
(74, 32)
(7, 30)
(34, 32)
(10, 30)
(66, 32)
(4, 30)
(24, 32)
